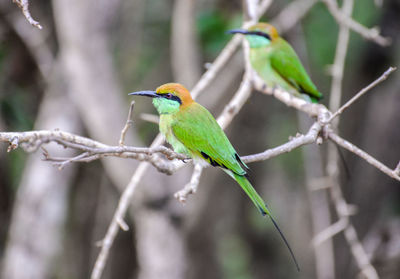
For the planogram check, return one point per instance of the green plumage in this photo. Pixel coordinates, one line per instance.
(192, 130)
(276, 62)
(278, 65)
(197, 130)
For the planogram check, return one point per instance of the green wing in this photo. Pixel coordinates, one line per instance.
(197, 129)
(287, 64)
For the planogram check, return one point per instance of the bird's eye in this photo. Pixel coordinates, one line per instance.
(168, 95)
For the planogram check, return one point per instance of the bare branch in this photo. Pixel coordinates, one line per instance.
(250, 10)
(330, 232)
(191, 187)
(24, 6)
(359, 253)
(313, 110)
(36, 43)
(292, 13)
(112, 231)
(397, 170)
(128, 124)
(263, 7)
(216, 66)
(337, 69)
(237, 102)
(335, 97)
(152, 118)
(122, 224)
(369, 34)
(364, 155)
(92, 150)
(383, 77)
(298, 141)
(80, 143)
(224, 56)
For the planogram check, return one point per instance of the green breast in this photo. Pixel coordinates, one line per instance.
(166, 122)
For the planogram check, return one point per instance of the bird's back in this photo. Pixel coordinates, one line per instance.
(278, 64)
(197, 129)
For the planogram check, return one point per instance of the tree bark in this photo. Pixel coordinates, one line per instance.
(40, 207)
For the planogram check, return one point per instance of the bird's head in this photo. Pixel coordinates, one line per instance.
(168, 98)
(258, 35)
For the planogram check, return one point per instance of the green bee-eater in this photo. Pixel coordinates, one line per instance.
(192, 130)
(276, 62)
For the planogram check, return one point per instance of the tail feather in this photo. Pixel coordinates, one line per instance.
(262, 207)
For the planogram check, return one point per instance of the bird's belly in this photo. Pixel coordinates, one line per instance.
(165, 129)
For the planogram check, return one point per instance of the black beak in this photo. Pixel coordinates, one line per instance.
(148, 93)
(238, 31)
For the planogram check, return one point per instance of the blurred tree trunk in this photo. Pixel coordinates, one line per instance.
(40, 208)
(185, 54)
(83, 28)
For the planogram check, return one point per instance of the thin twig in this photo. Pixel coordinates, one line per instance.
(80, 143)
(369, 34)
(24, 6)
(224, 56)
(122, 224)
(62, 164)
(236, 103)
(383, 77)
(92, 150)
(359, 253)
(152, 118)
(112, 230)
(216, 66)
(330, 232)
(331, 167)
(292, 13)
(313, 110)
(364, 155)
(337, 69)
(397, 169)
(128, 124)
(298, 141)
(36, 43)
(191, 187)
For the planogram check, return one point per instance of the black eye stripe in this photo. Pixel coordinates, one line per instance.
(171, 96)
(259, 33)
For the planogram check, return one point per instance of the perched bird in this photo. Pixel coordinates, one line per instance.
(276, 62)
(192, 130)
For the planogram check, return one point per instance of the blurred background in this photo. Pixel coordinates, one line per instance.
(74, 75)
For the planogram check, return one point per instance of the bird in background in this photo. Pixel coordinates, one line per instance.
(277, 63)
(192, 130)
